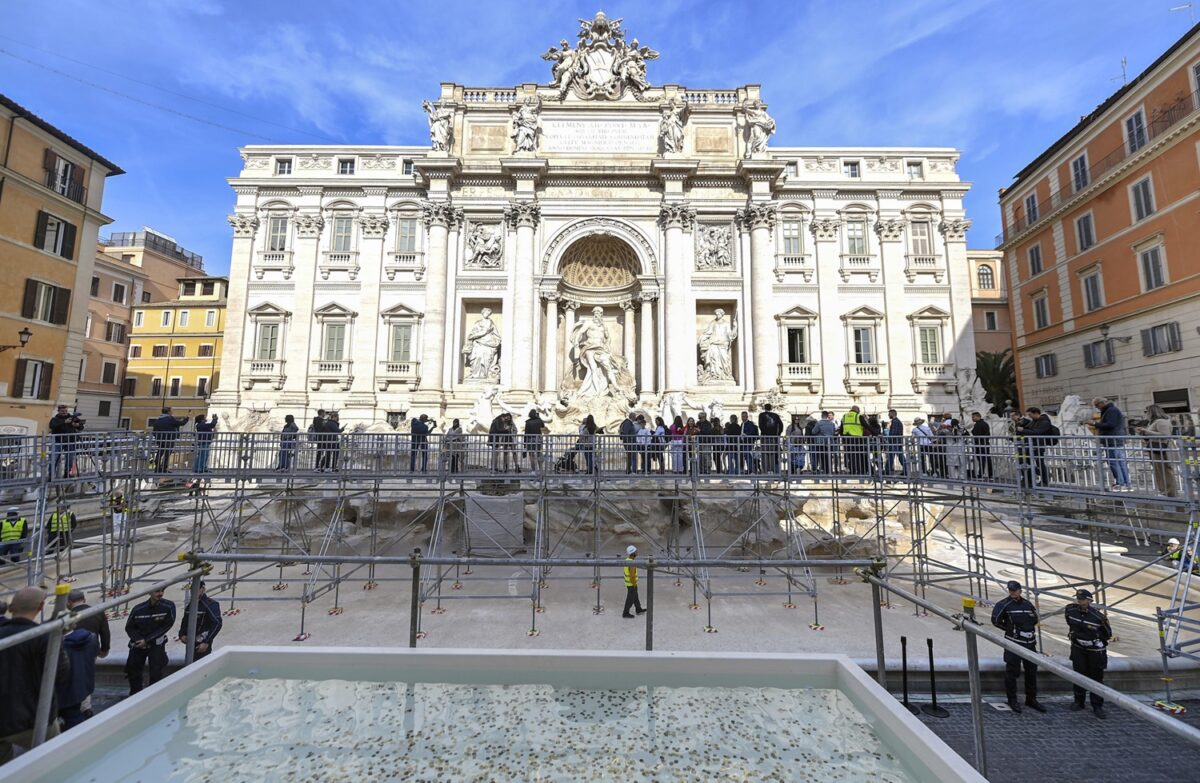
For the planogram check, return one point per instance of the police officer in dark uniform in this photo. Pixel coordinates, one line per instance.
(149, 625)
(1018, 618)
(1089, 632)
(208, 622)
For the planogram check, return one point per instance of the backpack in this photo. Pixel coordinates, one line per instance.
(1052, 436)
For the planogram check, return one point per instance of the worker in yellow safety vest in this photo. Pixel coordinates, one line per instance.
(12, 536)
(856, 449)
(118, 508)
(59, 528)
(631, 585)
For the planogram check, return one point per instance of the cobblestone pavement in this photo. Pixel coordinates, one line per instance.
(1067, 746)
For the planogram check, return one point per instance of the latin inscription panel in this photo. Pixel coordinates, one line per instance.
(599, 136)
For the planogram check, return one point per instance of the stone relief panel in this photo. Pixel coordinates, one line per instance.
(485, 247)
(714, 247)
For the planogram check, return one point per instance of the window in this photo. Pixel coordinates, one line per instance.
(83, 367)
(345, 166)
(139, 318)
(334, 342)
(118, 293)
(1164, 338)
(135, 352)
(342, 234)
(178, 351)
(33, 379)
(402, 337)
(205, 350)
(791, 238)
(283, 166)
(406, 238)
(202, 387)
(922, 238)
(851, 169)
(1079, 172)
(114, 332)
(104, 408)
(266, 345)
(184, 317)
(108, 372)
(791, 169)
(856, 237)
(406, 167)
(63, 176)
(1041, 311)
(864, 345)
(1135, 132)
(930, 341)
(915, 169)
(987, 278)
(1085, 232)
(277, 227)
(176, 387)
(1153, 273)
(145, 297)
(1031, 209)
(1093, 293)
(156, 387)
(1173, 400)
(797, 345)
(95, 286)
(210, 318)
(1035, 260)
(208, 287)
(189, 287)
(166, 318)
(1045, 366)
(54, 235)
(87, 326)
(159, 351)
(1143, 199)
(129, 388)
(44, 302)
(1098, 354)
(989, 321)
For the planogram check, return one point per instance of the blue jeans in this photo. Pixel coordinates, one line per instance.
(796, 453)
(894, 452)
(14, 549)
(1115, 457)
(201, 463)
(287, 453)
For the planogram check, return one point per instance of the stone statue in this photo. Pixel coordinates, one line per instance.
(716, 349)
(485, 247)
(1074, 415)
(673, 404)
(601, 65)
(441, 128)
(715, 410)
(759, 126)
(482, 349)
(712, 248)
(526, 124)
(630, 65)
(485, 409)
(670, 127)
(568, 64)
(600, 29)
(590, 352)
(971, 396)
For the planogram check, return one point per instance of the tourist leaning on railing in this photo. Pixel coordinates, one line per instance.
(288, 439)
(1112, 430)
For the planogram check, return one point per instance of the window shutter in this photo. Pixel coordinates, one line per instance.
(1147, 343)
(1087, 357)
(68, 244)
(39, 234)
(1110, 354)
(49, 160)
(29, 305)
(77, 181)
(19, 378)
(1174, 339)
(43, 392)
(61, 306)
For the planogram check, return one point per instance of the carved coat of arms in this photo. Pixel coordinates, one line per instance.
(602, 65)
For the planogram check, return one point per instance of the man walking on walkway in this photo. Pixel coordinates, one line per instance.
(148, 627)
(1018, 618)
(1089, 632)
(632, 601)
(21, 674)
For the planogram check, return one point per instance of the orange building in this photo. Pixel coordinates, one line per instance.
(1101, 242)
(116, 285)
(989, 302)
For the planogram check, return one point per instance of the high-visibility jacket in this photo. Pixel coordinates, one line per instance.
(631, 575)
(12, 530)
(117, 504)
(852, 424)
(61, 522)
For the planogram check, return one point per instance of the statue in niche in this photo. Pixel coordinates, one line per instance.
(590, 353)
(526, 124)
(716, 349)
(485, 247)
(670, 127)
(712, 248)
(760, 127)
(482, 349)
(441, 130)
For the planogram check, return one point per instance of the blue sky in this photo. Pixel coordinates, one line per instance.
(999, 79)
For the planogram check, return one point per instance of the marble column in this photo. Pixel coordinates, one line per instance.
(523, 216)
(551, 344)
(760, 220)
(569, 308)
(303, 338)
(364, 349)
(450, 358)
(437, 217)
(676, 218)
(628, 333)
(646, 381)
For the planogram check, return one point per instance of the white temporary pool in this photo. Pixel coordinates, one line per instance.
(257, 714)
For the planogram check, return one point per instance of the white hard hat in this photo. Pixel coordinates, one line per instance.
(1174, 541)
(631, 549)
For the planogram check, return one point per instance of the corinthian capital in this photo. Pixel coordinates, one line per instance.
(890, 230)
(243, 225)
(373, 225)
(309, 225)
(955, 228)
(522, 213)
(757, 216)
(437, 213)
(825, 228)
(677, 215)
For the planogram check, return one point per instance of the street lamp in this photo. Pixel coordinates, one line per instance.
(24, 336)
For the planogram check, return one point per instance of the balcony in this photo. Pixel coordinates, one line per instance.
(866, 378)
(70, 189)
(339, 371)
(404, 261)
(917, 265)
(856, 264)
(794, 264)
(274, 261)
(338, 261)
(263, 371)
(407, 374)
(793, 375)
(927, 376)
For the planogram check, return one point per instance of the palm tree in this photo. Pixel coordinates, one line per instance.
(998, 376)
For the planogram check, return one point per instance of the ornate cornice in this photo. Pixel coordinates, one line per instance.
(890, 230)
(825, 229)
(373, 225)
(954, 229)
(522, 214)
(309, 226)
(677, 215)
(243, 225)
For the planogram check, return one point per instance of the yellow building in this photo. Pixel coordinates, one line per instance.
(51, 188)
(175, 352)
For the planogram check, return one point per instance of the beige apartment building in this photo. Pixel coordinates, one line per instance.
(116, 285)
(989, 301)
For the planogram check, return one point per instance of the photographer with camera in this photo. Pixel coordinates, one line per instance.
(65, 427)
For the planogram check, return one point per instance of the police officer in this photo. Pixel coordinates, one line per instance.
(1089, 632)
(631, 585)
(208, 622)
(59, 528)
(12, 536)
(148, 627)
(1018, 619)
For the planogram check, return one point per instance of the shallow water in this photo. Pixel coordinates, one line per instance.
(318, 730)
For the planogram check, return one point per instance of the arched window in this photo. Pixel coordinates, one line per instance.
(987, 278)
